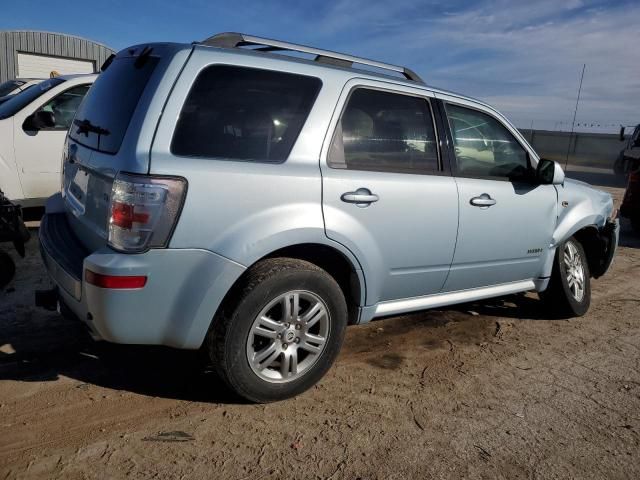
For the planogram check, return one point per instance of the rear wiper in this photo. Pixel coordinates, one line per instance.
(143, 57)
(86, 127)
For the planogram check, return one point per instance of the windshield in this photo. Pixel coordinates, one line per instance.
(7, 87)
(20, 100)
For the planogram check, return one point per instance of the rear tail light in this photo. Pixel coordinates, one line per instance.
(115, 281)
(144, 210)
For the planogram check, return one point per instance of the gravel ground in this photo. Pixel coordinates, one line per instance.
(486, 390)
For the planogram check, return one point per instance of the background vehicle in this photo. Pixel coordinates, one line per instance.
(253, 205)
(12, 230)
(630, 207)
(629, 157)
(33, 126)
(17, 85)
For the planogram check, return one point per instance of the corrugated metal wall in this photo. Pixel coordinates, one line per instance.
(45, 43)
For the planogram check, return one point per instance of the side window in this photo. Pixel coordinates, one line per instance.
(244, 114)
(484, 147)
(385, 132)
(64, 106)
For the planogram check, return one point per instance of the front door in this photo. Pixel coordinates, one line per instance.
(39, 152)
(385, 194)
(506, 220)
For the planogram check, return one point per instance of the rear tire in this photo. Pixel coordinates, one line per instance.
(569, 291)
(280, 331)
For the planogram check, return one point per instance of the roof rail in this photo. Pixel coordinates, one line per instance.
(234, 40)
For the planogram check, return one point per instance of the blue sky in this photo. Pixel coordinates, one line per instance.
(524, 57)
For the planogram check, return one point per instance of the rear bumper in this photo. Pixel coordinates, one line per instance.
(183, 291)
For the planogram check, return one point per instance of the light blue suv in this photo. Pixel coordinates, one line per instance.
(229, 196)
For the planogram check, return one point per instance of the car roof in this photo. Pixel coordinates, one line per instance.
(78, 76)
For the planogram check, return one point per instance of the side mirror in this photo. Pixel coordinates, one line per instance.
(549, 172)
(621, 136)
(39, 120)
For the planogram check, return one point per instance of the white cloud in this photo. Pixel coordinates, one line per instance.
(525, 58)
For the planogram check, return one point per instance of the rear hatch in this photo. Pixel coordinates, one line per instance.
(113, 131)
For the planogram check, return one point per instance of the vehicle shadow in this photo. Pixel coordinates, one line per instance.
(523, 306)
(146, 370)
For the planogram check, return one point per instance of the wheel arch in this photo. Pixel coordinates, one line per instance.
(336, 261)
(590, 239)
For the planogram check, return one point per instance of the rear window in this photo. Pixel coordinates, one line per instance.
(103, 117)
(241, 113)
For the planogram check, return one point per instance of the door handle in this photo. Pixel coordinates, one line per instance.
(483, 201)
(361, 197)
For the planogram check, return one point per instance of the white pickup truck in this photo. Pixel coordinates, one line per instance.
(33, 126)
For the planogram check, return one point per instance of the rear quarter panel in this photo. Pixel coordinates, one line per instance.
(245, 210)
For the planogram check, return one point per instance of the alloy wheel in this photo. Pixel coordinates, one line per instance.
(574, 271)
(288, 336)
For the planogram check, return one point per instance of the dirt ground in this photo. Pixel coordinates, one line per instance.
(486, 390)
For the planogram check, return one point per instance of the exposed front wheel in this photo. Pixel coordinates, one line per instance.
(281, 330)
(569, 290)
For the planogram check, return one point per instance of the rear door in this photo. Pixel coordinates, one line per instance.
(506, 219)
(386, 194)
(39, 152)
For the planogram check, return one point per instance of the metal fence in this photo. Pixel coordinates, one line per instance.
(585, 149)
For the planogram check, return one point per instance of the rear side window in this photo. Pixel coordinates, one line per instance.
(104, 115)
(244, 114)
(385, 132)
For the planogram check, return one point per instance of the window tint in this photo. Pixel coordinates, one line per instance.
(385, 132)
(244, 114)
(484, 147)
(64, 106)
(103, 118)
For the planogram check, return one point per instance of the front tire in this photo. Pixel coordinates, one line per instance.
(280, 331)
(569, 290)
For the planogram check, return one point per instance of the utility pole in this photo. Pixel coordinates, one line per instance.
(575, 112)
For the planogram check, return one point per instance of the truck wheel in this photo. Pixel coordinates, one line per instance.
(280, 332)
(569, 290)
(7, 268)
